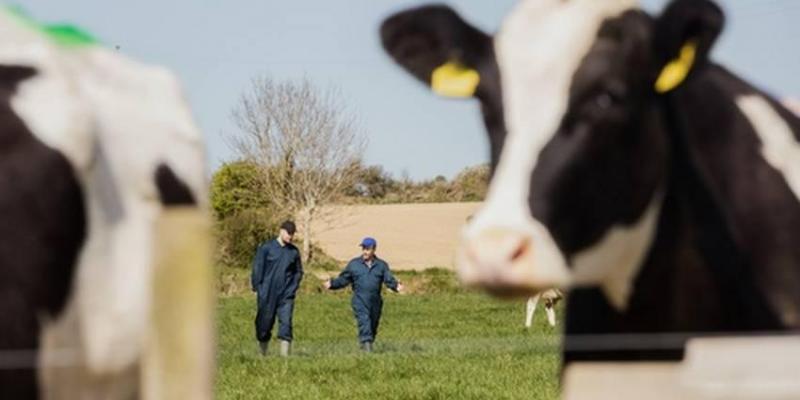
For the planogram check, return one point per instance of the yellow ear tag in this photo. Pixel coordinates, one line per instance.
(676, 71)
(454, 80)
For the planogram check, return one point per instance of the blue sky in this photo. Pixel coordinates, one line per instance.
(217, 46)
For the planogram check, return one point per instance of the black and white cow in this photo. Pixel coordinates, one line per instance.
(626, 165)
(94, 150)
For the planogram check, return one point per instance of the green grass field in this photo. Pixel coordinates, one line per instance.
(433, 344)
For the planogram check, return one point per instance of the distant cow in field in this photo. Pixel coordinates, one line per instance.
(95, 149)
(659, 186)
(551, 298)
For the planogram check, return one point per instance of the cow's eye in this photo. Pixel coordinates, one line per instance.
(598, 105)
(603, 100)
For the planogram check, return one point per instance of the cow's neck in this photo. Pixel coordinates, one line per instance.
(698, 276)
(676, 291)
(713, 285)
(753, 195)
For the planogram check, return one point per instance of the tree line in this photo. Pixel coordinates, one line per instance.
(245, 215)
(297, 150)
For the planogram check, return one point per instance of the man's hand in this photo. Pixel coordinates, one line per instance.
(327, 284)
(400, 287)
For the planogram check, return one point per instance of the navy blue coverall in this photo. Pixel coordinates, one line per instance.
(277, 271)
(367, 301)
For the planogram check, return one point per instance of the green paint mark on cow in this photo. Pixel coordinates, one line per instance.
(62, 34)
(69, 35)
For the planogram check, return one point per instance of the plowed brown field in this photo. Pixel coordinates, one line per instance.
(410, 236)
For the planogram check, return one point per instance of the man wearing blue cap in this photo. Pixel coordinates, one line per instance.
(366, 273)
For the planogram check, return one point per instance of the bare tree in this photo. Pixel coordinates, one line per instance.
(305, 143)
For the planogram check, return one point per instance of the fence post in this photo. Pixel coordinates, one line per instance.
(178, 360)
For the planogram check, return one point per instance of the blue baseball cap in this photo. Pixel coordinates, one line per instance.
(369, 242)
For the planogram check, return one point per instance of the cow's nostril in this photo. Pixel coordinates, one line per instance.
(521, 249)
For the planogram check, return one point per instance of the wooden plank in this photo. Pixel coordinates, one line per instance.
(179, 353)
(741, 368)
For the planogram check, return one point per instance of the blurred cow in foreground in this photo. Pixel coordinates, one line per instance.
(792, 104)
(656, 184)
(102, 169)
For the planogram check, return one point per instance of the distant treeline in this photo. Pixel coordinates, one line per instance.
(244, 215)
(376, 186)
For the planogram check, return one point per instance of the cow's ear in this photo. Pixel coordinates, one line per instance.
(684, 35)
(439, 48)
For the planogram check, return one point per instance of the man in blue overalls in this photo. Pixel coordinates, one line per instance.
(366, 273)
(277, 271)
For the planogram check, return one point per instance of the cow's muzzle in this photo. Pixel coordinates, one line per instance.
(511, 263)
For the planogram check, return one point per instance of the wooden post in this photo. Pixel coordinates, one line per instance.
(178, 360)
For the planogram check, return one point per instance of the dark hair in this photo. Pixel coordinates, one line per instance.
(289, 227)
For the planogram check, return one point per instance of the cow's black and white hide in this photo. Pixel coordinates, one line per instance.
(94, 149)
(659, 186)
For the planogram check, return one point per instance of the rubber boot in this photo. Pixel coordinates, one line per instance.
(286, 347)
(366, 346)
(263, 346)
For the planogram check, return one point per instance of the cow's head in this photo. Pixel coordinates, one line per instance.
(147, 159)
(131, 144)
(570, 92)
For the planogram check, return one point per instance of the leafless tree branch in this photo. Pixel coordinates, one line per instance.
(306, 144)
